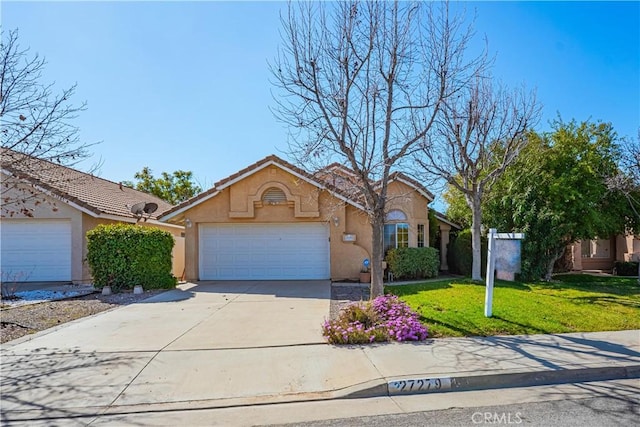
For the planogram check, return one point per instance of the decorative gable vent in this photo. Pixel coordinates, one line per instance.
(274, 196)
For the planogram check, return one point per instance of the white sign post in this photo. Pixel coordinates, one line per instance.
(492, 255)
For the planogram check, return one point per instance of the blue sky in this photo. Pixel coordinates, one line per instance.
(174, 85)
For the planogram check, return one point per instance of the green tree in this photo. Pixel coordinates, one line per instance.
(173, 188)
(557, 193)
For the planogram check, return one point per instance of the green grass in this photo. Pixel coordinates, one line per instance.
(571, 303)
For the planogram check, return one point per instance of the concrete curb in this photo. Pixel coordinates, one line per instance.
(375, 388)
(444, 384)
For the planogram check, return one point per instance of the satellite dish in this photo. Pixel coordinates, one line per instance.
(150, 208)
(138, 209)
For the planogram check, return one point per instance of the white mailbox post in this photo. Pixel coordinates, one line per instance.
(509, 262)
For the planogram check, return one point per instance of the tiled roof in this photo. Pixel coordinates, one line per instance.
(97, 195)
(323, 179)
(272, 159)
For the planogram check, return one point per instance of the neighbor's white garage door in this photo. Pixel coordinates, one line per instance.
(264, 251)
(35, 250)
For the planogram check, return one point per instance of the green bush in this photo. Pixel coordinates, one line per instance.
(626, 268)
(413, 263)
(460, 254)
(123, 256)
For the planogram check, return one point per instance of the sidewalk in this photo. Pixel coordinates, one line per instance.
(84, 385)
(111, 367)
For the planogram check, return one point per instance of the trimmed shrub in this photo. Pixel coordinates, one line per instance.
(460, 254)
(629, 268)
(413, 263)
(123, 256)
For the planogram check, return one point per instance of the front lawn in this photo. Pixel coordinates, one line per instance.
(571, 303)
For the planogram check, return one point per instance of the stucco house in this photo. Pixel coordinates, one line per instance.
(275, 221)
(43, 237)
(601, 254)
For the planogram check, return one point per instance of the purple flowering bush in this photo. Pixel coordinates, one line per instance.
(383, 319)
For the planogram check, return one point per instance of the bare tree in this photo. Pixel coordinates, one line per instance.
(361, 83)
(626, 182)
(36, 125)
(479, 133)
(627, 179)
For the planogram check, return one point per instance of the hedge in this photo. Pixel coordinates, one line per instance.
(413, 263)
(628, 268)
(460, 254)
(124, 255)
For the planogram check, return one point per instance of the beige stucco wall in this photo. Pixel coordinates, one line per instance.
(47, 207)
(241, 203)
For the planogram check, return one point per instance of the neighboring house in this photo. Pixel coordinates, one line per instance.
(43, 238)
(601, 254)
(275, 221)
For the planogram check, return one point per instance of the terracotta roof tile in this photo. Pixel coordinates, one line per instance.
(95, 194)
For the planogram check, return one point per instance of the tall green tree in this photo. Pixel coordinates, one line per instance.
(173, 188)
(557, 193)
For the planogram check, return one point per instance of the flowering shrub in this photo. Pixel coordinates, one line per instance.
(383, 319)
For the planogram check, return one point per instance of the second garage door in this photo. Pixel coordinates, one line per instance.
(35, 250)
(264, 251)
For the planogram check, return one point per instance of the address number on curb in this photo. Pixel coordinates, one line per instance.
(422, 385)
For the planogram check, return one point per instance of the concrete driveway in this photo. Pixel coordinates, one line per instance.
(203, 341)
(204, 315)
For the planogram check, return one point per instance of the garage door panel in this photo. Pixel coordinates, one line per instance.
(264, 251)
(35, 250)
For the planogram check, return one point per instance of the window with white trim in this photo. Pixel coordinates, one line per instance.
(396, 234)
(421, 235)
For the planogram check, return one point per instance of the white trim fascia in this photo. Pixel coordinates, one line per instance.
(164, 218)
(440, 217)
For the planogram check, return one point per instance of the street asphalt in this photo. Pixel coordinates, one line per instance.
(230, 344)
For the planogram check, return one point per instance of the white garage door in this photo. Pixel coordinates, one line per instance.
(35, 250)
(264, 251)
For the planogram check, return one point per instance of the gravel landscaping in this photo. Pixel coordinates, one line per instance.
(18, 319)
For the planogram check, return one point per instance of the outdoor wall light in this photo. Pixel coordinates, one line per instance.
(188, 223)
(336, 221)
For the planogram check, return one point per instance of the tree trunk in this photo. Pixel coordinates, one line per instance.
(377, 273)
(476, 241)
(552, 262)
(549, 272)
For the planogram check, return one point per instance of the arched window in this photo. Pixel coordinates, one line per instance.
(396, 215)
(396, 230)
(274, 196)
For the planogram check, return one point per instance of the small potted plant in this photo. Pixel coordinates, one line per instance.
(365, 274)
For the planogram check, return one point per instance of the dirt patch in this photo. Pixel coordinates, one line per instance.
(344, 294)
(16, 322)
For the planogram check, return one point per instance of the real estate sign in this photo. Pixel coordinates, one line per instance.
(504, 257)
